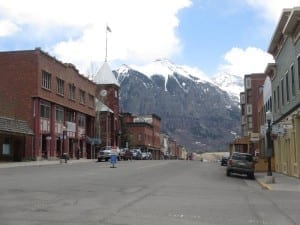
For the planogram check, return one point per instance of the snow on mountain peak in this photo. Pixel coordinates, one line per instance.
(123, 69)
(232, 84)
(166, 68)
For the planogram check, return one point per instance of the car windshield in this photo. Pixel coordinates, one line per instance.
(242, 157)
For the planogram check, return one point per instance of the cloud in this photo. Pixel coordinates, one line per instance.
(271, 9)
(254, 60)
(245, 61)
(141, 30)
(7, 28)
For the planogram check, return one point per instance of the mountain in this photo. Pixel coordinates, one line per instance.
(232, 84)
(194, 111)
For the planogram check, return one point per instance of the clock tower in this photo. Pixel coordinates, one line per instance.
(107, 93)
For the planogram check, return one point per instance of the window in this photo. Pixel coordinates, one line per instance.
(59, 114)
(139, 137)
(282, 92)
(46, 80)
(72, 89)
(70, 116)
(248, 83)
(45, 110)
(82, 96)
(242, 98)
(91, 101)
(249, 109)
(249, 96)
(293, 80)
(60, 86)
(298, 72)
(249, 122)
(287, 87)
(275, 100)
(81, 120)
(278, 96)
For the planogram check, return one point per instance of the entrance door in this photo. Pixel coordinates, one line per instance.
(44, 146)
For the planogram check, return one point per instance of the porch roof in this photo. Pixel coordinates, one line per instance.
(15, 126)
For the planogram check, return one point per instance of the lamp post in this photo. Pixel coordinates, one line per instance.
(63, 154)
(269, 142)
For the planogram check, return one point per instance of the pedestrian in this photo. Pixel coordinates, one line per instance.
(78, 152)
(65, 156)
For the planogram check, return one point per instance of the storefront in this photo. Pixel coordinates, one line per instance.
(16, 139)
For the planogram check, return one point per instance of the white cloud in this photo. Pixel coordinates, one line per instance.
(254, 60)
(7, 28)
(141, 30)
(271, 9)
(245, 61)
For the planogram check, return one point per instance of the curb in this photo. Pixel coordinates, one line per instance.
(40, 163)
(264, 185)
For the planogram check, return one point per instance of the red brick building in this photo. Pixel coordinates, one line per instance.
(249, 100)
(141, 132)
(50, 103)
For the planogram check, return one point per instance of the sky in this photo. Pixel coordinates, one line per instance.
(211, 36)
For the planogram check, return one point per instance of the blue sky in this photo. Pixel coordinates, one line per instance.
(212, 36)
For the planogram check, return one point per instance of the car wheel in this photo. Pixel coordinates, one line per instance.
(228, 173)
(251, 176)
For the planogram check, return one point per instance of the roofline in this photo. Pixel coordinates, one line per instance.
(279, 30)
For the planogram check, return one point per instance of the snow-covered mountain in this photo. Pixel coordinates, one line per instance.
(232, 84)
(194, 110)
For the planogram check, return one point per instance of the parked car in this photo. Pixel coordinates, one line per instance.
(127, 155)
(105, 152)
(241, 163)
(149, 155)
(103, 155)
(136, 154)
(144, 155)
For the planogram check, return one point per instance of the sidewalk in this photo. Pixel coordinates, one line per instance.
(282, 182)
(42, 163)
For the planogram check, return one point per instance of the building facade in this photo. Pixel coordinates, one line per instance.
(285, 48)
(142, 131)
(249, 100)
(108, 107)
(52, 99)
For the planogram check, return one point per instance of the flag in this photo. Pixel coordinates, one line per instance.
(108, 29)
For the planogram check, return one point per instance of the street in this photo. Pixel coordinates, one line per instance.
(140, 192)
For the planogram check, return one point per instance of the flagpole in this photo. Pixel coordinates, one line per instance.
(106, 44)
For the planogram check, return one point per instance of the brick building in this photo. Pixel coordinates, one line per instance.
(249, 99)
(51, 105)
(142, 132)
(107, 108)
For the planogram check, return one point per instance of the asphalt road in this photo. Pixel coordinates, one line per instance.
(139, 193)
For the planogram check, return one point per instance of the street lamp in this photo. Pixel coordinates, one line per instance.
(63, 155)
(269, 142)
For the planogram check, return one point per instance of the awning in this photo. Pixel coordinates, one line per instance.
(14, 126)
(93, 141)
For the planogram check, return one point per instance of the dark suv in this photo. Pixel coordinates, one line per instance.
(241, 163)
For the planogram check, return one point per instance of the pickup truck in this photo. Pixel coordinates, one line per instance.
(105, 152)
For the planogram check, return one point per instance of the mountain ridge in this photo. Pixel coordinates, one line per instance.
(194, 111)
